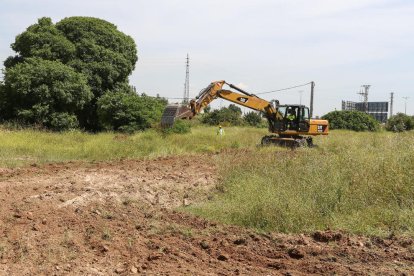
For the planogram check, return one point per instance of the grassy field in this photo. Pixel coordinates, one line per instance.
(358, 182)
(19, 148)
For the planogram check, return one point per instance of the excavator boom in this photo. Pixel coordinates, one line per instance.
(210, 93)
(291, 123)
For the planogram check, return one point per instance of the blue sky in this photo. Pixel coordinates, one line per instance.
(260, 45)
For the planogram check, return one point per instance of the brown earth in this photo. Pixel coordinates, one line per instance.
(121, 218)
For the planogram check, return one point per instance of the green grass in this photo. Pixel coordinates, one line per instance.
(19, 148)
(358, 182)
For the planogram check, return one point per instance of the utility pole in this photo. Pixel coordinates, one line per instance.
(391, 103)
(405, 104)
(311, 98)
(187, 82)
(364, 93)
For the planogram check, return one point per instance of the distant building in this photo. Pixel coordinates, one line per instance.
(348, 105)
(378, 110)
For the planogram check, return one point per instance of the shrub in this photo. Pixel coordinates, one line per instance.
(227, 115)
(63, 121)
(400, 122)
(179, 127)
(254, 119)
(353, 120)
(128, 112)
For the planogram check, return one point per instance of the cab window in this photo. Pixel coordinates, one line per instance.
(304, 114)
(282, 111)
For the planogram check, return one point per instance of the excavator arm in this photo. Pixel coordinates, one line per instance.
(249, 101)
(285, 131)
(210, 93)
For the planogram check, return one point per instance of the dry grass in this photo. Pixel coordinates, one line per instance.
(19, 148)
(358, 182)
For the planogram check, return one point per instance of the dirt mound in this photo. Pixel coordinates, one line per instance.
(327, 236)
(120, 218)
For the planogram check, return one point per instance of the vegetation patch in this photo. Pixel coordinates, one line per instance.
(400, 122)
(232, 116)
(179, 127)
(357, 182)
(352, 120)
(29, 146)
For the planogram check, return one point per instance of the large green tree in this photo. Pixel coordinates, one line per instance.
(45, 93)
(92, 47)
(42, 40)
(103, 53)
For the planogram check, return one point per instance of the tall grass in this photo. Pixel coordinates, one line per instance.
(358, 182)
(19, 148)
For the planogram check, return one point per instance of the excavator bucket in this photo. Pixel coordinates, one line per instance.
(173, 112)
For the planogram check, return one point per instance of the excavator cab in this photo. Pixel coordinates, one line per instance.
(292, 118)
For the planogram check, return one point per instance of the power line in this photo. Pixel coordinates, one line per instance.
(283, 89)
(267, 92)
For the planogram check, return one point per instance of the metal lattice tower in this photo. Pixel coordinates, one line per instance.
(364, 93)
(391, 104)
(187, 82)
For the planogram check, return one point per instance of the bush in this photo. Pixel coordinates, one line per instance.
(400, 122)
(353, 120)
(179, 127)
(128, 112)
(63, 121)
(227, 115)
(254, 119)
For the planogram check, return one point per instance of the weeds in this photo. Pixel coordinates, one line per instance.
(19, 148)
(106, 235)
(3, 250)
(358, 182)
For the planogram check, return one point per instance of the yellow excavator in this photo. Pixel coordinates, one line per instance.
(290, 125)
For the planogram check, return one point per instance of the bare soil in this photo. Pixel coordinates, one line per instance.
(121, 218)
